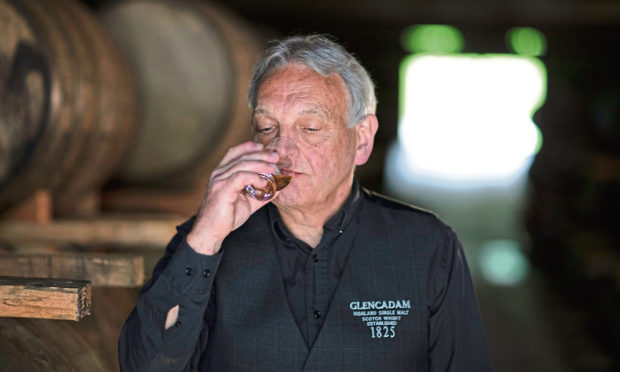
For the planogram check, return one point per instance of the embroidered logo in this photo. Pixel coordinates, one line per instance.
(381, 317)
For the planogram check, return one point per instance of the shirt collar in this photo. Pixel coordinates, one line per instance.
(336, 224)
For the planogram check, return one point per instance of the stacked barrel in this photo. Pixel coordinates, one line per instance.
(68, 102)
(149, 94)
(123, 111)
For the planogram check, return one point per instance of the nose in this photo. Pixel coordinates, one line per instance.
(289, 130)
(286, 131)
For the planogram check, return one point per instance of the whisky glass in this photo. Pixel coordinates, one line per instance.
(283, 175)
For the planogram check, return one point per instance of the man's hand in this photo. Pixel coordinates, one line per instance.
(225, 207)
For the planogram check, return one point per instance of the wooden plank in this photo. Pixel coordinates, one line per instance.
(44, 298)
(110, 270)
(138, 231)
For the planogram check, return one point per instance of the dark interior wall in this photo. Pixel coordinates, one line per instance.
(581, 56)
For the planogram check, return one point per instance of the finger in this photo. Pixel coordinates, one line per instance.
(253, 168)
(235, 152)
(227, 189)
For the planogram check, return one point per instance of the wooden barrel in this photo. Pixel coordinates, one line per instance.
(192, 64)
(68, 102)
(101, 330)
(44, 345)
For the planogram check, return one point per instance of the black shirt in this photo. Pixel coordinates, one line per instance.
(310, 275)
(456, 338)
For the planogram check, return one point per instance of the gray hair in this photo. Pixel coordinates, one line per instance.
(325, 57)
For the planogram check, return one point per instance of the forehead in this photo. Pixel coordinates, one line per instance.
(297, 84)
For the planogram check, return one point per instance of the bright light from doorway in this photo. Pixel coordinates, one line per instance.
(467, 118)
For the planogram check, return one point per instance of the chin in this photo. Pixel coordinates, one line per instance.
(290, 196)
(286, 199)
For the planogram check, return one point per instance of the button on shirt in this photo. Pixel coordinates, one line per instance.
(310, 275)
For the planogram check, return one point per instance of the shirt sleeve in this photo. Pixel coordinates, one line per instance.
(181, 277)
(457, 340)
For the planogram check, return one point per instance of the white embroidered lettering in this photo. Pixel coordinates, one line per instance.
(381, 317)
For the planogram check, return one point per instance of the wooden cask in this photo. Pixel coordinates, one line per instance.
(192, 62)
(68, 102)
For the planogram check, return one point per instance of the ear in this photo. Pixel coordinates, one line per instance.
(365, 134)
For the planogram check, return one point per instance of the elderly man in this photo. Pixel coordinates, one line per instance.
(327, 276)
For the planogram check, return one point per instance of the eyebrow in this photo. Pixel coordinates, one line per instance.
(260, 110)
(318, 110)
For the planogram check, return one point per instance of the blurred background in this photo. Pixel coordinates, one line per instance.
(503, 117)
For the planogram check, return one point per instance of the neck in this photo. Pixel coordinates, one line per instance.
(306, 223)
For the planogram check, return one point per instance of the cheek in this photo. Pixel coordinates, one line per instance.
(333, 162)
(263, 138)
(331, 157)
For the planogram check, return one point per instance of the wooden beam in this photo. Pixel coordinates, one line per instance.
(138, 231)
(398, 12)
(44, 298)
(109, 270)
(37, 208)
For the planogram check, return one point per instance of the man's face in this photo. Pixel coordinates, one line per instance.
(295, 101)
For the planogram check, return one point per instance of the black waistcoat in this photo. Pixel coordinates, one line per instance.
(377, 319)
